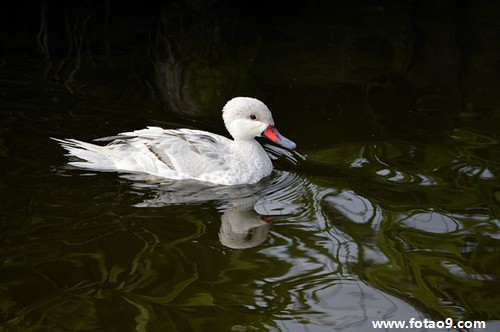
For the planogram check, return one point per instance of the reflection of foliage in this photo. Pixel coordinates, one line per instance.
(134, 265)
(99, 271)
(438, 271)
(432, 217)
(195, 63)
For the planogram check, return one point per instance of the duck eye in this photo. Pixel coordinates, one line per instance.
(253, 117)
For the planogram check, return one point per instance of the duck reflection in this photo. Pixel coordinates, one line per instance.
(242, 226)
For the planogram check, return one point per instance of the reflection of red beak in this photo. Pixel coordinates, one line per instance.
(268, 219)
(272, 134)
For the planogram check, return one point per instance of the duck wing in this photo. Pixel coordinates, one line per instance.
(171, 153)
(188, 152)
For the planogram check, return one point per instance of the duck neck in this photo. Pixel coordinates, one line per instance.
(251, 157)
(247, 147)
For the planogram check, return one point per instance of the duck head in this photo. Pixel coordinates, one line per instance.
(246, 118)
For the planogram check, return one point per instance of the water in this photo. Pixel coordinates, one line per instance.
(389, 209)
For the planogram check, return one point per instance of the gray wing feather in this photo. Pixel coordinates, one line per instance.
(187, 151)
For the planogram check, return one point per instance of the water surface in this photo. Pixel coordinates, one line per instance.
(389, 209)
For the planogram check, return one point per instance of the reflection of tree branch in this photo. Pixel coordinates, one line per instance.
(41, 36)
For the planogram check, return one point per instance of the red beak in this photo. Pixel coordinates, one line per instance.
(273, 134)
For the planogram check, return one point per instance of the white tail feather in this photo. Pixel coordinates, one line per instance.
(92, 156)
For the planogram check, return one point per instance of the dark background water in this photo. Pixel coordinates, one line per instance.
(389, 211)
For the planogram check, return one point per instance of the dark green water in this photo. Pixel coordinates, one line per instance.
(389, 210)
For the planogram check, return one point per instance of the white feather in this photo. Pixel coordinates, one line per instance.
(185, 153)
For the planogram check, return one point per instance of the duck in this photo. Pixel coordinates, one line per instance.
(189, 154)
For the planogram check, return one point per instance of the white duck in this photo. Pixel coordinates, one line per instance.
(190, 154)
